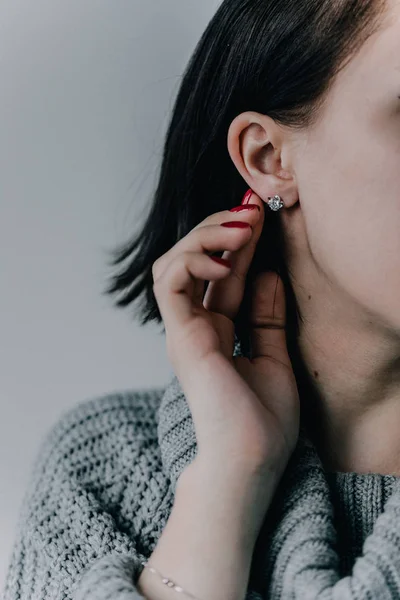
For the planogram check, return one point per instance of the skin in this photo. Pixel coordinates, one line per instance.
(340, 181)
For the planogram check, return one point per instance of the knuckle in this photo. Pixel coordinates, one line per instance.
(183, 259)
(182, 256)
(177, 264)
(157, 284)
(155, 268)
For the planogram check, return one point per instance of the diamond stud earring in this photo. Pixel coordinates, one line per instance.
(275, 203)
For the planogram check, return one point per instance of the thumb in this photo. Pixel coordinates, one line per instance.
(268, 319)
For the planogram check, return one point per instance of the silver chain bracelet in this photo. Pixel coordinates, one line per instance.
(171, 584)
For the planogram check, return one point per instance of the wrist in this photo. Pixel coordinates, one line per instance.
(239, 496)
(208, 542)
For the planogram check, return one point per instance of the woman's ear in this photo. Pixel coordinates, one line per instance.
(260, 150)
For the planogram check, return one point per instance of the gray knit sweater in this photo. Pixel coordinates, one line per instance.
(102, 488)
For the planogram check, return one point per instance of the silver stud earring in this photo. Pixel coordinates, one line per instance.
(275, 203)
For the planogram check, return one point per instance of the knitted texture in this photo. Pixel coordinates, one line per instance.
(102, 488)
(96, 503)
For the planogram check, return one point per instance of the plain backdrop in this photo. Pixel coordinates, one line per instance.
(86, 91)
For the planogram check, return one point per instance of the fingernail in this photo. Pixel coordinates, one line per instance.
(247, 196)
(247, 207)
(238, 224)
(222, 261)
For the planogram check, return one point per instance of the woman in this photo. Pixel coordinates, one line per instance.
(269, 465)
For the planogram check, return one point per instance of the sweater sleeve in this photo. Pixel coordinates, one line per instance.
(71, 542)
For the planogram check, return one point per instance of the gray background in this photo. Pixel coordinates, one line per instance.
(86, 91)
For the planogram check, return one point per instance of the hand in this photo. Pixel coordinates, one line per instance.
(246, 410)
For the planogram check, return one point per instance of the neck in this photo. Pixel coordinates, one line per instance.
(348, 374)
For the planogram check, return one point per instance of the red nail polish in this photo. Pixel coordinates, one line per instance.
(247, 207)
(247, 196)
(238, 224)
(222, 261)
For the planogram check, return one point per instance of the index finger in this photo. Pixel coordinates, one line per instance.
(224, 296)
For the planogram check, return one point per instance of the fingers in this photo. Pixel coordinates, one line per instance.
(175, 288)
(199, 240)
(179, 275)
(225, 296)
